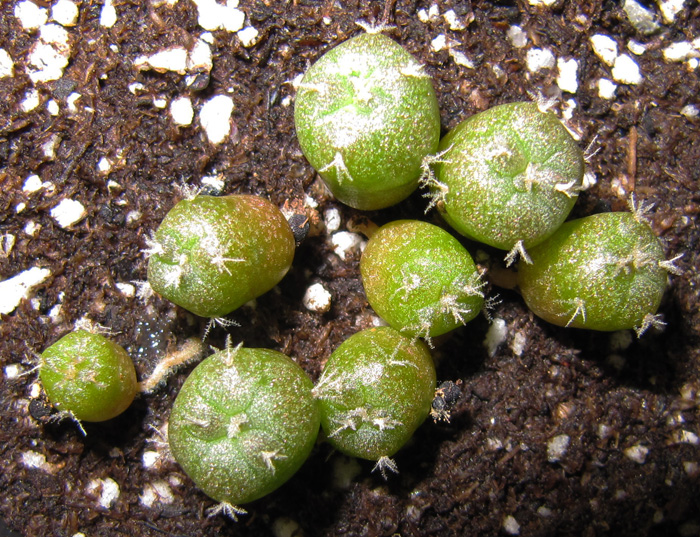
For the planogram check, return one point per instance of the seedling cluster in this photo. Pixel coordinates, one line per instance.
(367, 119)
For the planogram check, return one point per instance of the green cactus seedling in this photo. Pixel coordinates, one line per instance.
(88, 376)
(211, 255)
(420, 279)
(603, 272)
(366, 116)
(507, 177)
(376, 389)
(243, 423)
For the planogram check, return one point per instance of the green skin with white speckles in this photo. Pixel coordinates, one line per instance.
(606, 265)
(509, 174)
(243, 423)
(88, 375)
(366, 115)
(375, 390)
(220, 252)
(420, 279)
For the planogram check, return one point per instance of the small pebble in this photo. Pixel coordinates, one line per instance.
(53, 108)
(108, 491)
(568, 75)
(171, 59)
(104, 165)
(690, 111)
(14, 289)
(332, 219)
(681, 51)
(30, 15)
(495, 335)
(181, 111)
(214, 16)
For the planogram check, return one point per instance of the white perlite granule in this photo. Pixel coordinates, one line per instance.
(626, 70)
(68, 212)
(14, 289)
(637, 453)
(181, 111)
(317, 298)
(65, 12)
(215, 118)
(557, 447)
(495, 335)
(7, 66)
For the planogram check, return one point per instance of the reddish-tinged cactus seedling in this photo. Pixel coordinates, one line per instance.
(420, 279)
(375, 390)
(366, 116)
(604, 272)
(88, 376)
(243, 423)
(211, 255)
(507, 177)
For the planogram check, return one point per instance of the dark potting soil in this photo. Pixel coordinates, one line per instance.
(557, 432)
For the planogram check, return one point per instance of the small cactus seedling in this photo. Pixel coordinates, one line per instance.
(211, 255)
(375, 390)
(420, 279)
(88, 376)
(507, 177)
(243, 423)
(603, 272)
(366, 116)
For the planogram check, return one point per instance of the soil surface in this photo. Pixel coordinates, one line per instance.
(557, 432)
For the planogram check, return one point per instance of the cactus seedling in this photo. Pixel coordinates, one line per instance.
(211, 255)
(603, 272)
(243, 423)
(88, 376)
(420, 279)
(507, 177)
(375, 390)
(366, 116)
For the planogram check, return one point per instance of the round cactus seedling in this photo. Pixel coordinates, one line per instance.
(366, 116)
(243, 423)
(211, 255)
(507, 177)
(88, 376)
(603, 272)
(375, 390)
(420, 279)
